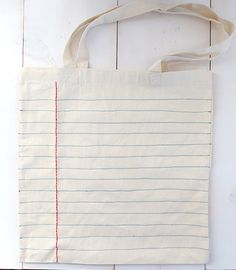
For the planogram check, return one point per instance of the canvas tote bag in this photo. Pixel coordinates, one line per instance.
(114, 165)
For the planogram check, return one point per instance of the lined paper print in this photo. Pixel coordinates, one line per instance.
(112, 173)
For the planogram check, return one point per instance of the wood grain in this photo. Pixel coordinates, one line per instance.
(10, 66)
(222, 184)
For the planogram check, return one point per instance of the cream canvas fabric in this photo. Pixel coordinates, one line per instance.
(114, 165)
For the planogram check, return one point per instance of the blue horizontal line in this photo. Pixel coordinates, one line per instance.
(115, 190)
(114, 179)
(113, 123)
(101, 157)
(123, 168)
(115, 145)
(90, 213)
(114, 133)
(167, 201)
(112, 236)
(112, 249)
(115, 225)
(113, 99)
(135, 110)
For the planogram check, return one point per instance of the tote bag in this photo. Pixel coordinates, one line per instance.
(114, 165)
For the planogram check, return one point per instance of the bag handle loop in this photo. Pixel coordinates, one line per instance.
(76, 52)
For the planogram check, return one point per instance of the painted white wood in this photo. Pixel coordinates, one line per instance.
(223, 184)
(66, 266)
(141, 40)
(159, 267)
(144, 38)
(10, 55)
(48, 25)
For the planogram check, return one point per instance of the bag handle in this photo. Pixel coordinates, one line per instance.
(79, 57)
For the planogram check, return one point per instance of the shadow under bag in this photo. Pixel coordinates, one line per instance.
(114, 165)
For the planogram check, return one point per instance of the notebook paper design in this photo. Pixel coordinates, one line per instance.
(114, 165)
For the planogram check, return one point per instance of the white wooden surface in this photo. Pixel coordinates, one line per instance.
(10, 64)
(34, 33)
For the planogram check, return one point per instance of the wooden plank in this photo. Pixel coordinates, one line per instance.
(140, 41)
(48, 25)
(43, 48)
(10, 55)
(159, 267)
(222, 186)
(66, 266)
(143, 39)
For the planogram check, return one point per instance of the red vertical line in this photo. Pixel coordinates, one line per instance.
(56, 165)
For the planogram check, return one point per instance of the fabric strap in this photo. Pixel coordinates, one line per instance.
(76, 52)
